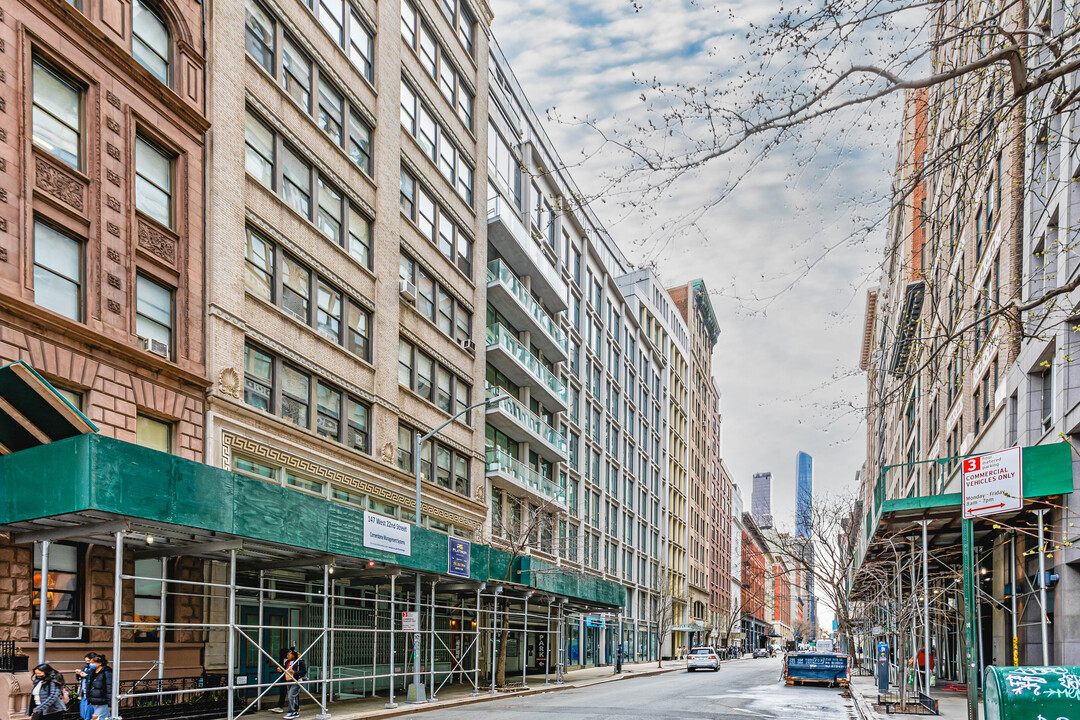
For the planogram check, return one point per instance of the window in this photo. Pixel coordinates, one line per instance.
(331, 14)
(447, 469)
(57, 116)
(431, 381)
(331, 113)
(147, 598)
(280, 278)
(359, 141)
(153, 311)
(274, 386)
(62, 585)
(259, 35)
(296, 74)
(361, 45)
(259, 151)
(153, 433)
(153, 182)
(57, 272)
(1046, 397)
(150, 40)
(296, 182)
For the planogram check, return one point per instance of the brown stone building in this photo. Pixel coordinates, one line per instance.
(101, 269)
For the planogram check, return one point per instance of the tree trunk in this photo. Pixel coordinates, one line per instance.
(500, 663)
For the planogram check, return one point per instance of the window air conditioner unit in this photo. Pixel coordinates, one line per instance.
(155, 346)
(468, 345)
(407, 289)
(63, 630)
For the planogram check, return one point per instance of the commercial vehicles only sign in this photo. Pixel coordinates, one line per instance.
(993, 483)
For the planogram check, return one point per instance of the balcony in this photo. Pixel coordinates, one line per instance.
(509, 295)
(516, 474)
(513, 418)
(514, 242)
(510, 356)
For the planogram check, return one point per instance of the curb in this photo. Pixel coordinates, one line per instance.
(515, 694)
(862, 707)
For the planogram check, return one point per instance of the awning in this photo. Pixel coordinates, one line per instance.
(32, 413)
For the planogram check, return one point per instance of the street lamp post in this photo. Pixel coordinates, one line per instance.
(416, 690)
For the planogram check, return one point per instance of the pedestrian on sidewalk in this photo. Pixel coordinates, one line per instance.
(84, 704)
(99, 688)
(47, 696)
(295, 670)
(282, 686)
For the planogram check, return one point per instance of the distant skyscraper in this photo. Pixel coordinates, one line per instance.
(761, 500)
(804, 493)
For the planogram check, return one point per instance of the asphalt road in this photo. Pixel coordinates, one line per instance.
(742, 690)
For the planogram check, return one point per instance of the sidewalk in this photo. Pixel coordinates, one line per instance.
(458, 695)
(951, 705)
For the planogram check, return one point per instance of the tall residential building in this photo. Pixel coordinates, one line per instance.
(761, 499)
(693, 303)
(668, 336)
(101, 289)
(733, 619)
(612, 412)
(804, 494)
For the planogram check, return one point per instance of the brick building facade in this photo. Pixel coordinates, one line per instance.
(101, 261)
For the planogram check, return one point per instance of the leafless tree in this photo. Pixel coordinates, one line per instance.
(664, 606)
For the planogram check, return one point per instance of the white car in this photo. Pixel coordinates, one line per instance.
(702, 658)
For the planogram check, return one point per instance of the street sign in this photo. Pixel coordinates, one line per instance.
(594, 622)
(992, 483)
(410, 622)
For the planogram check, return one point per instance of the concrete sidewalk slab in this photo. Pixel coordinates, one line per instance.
(951, 706)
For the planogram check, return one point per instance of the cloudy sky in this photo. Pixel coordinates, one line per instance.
(787, 359)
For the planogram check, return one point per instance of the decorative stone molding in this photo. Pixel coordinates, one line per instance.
(113, 254)
(156, 242)
(113, 177)
(112, 202)
(229, 382)
(113, 229)
(3, 251)
(113, 280)
(113, 100)
(113, 151)
(113, 306)
(59, 184)
(112, 125)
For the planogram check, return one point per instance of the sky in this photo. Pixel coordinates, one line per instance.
(787, 359)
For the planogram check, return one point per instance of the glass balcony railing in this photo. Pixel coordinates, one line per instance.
(497, 271)
(501, 462)
(501, 211)
(527, 419)
(497, 334)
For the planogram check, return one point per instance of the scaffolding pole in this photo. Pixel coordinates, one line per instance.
(1042, 588)
(231, 651)
(476, 646)
(494, 630)
(1012, 593)
(262, 619)
(393, 610)
(525, 639)
(431, 642)
(547, 645)
(560, 640)
(43, 602)
(927, 654)
(118, 605)
(161, 622)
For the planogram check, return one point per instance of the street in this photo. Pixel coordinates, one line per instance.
(741, 689)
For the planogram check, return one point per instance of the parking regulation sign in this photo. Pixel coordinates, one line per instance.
(993, 483)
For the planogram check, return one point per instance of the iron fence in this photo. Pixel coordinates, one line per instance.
(199, 703)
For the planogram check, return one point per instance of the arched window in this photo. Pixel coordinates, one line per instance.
(150, 40)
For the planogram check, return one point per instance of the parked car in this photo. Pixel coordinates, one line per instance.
(761, 653)
(702, 658)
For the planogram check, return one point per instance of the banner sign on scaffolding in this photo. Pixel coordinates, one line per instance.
(457, 562)
(410, 622)
(386, 533)
(992, 483)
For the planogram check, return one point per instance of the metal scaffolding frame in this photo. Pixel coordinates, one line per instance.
(461, 622)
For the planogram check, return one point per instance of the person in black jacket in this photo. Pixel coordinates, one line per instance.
(295, 669)
(282, 685)
(84, 704)
(99, 688)
(47, 695)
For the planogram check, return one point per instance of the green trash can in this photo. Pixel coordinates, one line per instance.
(1031, 691)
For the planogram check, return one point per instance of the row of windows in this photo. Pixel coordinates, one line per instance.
(275, 386)
(451, 467)
(461, 17)
(436, 63)
(277, 277)
(435, 224)
(306, 83)
(275, 473)
(278, 166)
(435, 302)
(419, 372)
(418, 120)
